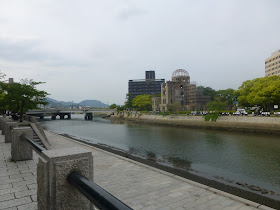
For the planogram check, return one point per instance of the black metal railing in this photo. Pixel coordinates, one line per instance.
(37, 148)
(97, 195)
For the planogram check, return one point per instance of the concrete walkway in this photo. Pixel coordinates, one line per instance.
(137, 185)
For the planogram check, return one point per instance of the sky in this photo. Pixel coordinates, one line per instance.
(89, 49)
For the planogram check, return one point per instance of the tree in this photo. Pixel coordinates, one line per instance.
(128, 104)
(263, 91)
(143, 102)
(113, 106)
(19, 97)
(229, 96)
(217, 104)
(207, 91)
(243, 92)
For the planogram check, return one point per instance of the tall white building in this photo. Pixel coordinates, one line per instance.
(272, 64)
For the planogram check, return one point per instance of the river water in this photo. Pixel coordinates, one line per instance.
(247, 158)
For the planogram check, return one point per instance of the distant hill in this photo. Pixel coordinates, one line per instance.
(86, 103)
(93, 103)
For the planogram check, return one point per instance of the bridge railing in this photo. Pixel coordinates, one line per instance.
(61, 173)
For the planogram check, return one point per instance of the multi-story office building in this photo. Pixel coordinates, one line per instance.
(149, 85)
(272, 64)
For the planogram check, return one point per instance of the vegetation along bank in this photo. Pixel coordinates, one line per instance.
(249, 124)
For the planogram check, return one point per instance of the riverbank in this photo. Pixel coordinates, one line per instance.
(238, 189)
(136, 184)
(248, 124)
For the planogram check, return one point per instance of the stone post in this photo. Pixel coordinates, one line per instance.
(8, 130)
(54, 166)
(21, 150)
(4, 120)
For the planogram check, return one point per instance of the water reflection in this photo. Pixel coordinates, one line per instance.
(252, 159)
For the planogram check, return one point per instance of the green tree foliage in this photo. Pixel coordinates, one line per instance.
(207, 91)
(113, 106)
(143, 102)
(229, 96)
(218, 104)
(128, 104)
(19, 97)
(263, 91)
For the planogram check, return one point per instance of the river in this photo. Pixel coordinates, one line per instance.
(246, 158)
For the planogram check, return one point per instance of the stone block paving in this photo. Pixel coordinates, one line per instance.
(137, 185)
(18, 183)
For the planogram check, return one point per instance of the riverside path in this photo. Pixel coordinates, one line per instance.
(137, 185)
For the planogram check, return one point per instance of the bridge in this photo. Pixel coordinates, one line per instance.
(62, 113)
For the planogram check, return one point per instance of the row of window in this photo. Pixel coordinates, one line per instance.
(268, 70)
(274, 73)
(272, 64)
(272, 59)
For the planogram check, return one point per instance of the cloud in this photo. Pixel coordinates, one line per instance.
(126, 12)
(20, 50)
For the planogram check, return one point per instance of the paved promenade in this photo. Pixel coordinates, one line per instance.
(137, 185)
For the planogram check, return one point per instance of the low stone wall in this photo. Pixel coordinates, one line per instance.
(254, 124)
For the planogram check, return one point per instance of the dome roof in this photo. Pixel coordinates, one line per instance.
(180, 73)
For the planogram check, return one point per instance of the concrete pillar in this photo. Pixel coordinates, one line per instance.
(4, 120)
(69, 116)
(88, 116)
(53, 116)
(8, 135)
(21, 150)
(54, 166)
(61, 116)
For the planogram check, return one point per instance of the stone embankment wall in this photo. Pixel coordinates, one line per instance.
(250, 124)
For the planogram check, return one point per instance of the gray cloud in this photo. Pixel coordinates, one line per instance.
(90, 49)
(126, 13)
(25, 50)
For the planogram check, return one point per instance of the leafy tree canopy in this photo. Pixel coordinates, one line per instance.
(128, 104)
(19, 97)
(207, 91)
(143, 102)
(263, 91)
(113, 106)
(217, 104)
(229, 96)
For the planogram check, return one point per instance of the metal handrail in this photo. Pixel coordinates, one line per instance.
(37, 148)
(97, 195)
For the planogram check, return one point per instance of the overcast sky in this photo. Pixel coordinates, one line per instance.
(89, 49)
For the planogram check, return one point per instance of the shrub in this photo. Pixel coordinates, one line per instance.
(212, 117)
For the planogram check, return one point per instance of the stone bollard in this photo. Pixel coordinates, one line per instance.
(20, 149)
(54, 166)
(8, 130)
(3, 121)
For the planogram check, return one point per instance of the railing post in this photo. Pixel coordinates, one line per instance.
(21, 150)
(54, 192)
(3, 122)
(8, 135)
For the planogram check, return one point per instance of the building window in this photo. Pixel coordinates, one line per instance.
(181, 86)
